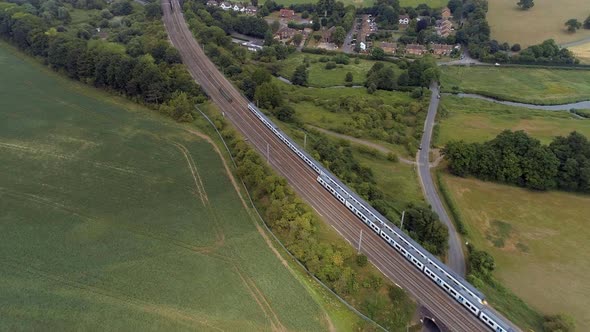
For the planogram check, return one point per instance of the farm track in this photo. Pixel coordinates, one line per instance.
(303, 179)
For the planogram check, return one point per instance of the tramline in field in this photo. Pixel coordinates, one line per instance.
(457, 287)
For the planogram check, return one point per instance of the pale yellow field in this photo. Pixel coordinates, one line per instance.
(545, 20)
(582, 52)
(538, 239)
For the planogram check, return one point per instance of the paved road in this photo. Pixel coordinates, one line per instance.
(456, 257)
(303, 180)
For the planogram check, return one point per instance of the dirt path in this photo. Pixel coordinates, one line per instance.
(360, 141)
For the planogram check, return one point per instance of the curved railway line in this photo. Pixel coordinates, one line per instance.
(303, 179)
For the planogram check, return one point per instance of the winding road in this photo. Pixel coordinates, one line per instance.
(455, 255)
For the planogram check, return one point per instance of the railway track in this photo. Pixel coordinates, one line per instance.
(303, 179)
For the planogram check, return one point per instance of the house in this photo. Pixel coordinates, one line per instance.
(441, 49)
(252, 10)
(390, 48)
(443, 27)
(238, 8)
(226, 6)
(363, 46)
(415, 49)
(285, 33)
(404, 20)
(327, 35)
(446, 13)
(287, 13)
(212, 3)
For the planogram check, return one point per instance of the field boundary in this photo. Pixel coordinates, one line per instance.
(449, 202)
(348, 305)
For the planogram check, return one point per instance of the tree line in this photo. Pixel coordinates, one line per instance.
(421, 223)
(518, 159)
(332, 261)
(133, 62)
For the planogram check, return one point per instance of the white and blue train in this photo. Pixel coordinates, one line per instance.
(457, 287)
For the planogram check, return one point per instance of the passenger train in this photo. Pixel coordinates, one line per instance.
(457, 287)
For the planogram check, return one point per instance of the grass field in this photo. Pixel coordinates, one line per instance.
(308, 105)
(539, 241)
(527, 85)
(582, 52)
(477, 121)
(544, 21)
(115, 219)
(319, 76)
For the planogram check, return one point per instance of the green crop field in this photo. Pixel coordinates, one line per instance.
(113, 218)
(544, 21)
(475, 120)
(527, 85)
(539, 241)
(319, 76)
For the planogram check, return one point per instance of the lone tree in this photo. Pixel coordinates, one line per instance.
(573, 25)
(525, 4)
(338, 36)
(348, 77)
(300, 75)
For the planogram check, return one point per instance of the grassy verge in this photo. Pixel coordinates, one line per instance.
(477, 121)
(450, 204)
(526, 85)
(537, 240)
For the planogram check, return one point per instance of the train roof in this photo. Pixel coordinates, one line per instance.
(326, 174)
(409, 239)
(498, 320)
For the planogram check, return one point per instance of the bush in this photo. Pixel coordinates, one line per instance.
(330, 65)
(361, 260)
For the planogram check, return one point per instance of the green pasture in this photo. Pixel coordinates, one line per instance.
(539, 241)
(475, 120)
(320, 77)
(115, 219)
(526, 85)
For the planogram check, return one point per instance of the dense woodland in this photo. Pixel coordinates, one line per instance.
(516, 158)
(132, 58)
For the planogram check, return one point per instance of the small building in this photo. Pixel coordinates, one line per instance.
(415, 49)
(238, 8)
(285, 33)
(446, 13)
(404, 20)
(226, 5)
(287, 13)
(441, 49)
(363, 46)
(212, 3)
(327, 35)
(443, 28)
(390, 48)
(252, 10)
